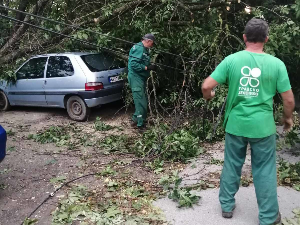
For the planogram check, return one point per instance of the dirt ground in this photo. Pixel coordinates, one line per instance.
(28, 167)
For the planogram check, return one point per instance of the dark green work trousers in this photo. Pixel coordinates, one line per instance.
(140, 104)
(263, 160)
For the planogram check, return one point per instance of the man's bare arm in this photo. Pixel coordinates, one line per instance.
(207, 88)
(288, 109)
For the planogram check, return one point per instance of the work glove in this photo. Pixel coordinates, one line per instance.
(152, 67)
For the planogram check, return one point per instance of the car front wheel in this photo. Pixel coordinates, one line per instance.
(77, 109)
(4, 103)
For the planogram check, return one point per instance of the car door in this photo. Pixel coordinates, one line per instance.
(29, 88)
(63, 77)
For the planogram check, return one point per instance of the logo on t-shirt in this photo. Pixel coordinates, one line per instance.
(249, 84)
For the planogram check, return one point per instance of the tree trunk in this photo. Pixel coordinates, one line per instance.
(22, 29)
(21, 16)
(22, 7)
(30, 49)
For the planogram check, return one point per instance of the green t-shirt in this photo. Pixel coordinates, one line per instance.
(253, 79)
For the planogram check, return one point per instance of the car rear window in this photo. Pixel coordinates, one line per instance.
(102, 61)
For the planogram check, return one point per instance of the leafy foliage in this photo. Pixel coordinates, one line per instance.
(156, 165)
(101, 126)
(114, 143)
(108, 171)
(59, 179)
(10, 132)
(291, 138)
(216, 162)
(163, 143)
(30, 221)
(70, 208)
(89, 208)
(181, 28)
(293, 221)
(182, 195)
(289, 174)
(74, 137)
(54, 134)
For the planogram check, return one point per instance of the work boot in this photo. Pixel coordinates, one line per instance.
(228, 215)
(278, 220)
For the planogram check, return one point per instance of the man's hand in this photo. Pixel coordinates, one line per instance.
(208, 88)
(152, 67)
(212, 95)
(287, 123)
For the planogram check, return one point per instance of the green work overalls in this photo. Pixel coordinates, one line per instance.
(137, 77)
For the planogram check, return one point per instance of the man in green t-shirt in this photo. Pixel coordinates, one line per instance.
(253, 77)
(138, 72)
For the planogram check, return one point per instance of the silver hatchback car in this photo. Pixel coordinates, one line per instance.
(75, 81)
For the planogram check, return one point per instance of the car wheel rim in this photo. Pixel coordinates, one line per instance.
(76, 108)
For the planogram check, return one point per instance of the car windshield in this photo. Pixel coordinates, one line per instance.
(102, 61)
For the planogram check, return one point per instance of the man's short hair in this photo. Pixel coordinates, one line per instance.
(256, 30)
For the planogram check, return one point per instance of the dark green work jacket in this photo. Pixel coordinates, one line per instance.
(139, 58)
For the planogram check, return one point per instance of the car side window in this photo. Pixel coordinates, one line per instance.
(33, 69)
(59, 66)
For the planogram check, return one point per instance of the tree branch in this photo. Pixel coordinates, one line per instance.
(30, 49)
(122, 9)
(20, 16)
(186, 8)
(23, 28)
(22, 6)
(175, 23)
(212, 5)
(117, 11)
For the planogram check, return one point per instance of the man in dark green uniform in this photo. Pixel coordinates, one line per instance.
(253, 78)
(139, 68)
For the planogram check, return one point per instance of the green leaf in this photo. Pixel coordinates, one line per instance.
(112, 212)
(59, 179)
(11, 149)
(30, 221)
(85, 36)
(112, 184)
(57, 27)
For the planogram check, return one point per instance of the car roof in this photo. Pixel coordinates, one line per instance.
(65, 54)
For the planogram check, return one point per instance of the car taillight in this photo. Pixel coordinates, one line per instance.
(93, 86)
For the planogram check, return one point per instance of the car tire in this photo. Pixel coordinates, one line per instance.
(77, 109)
(4, 102)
